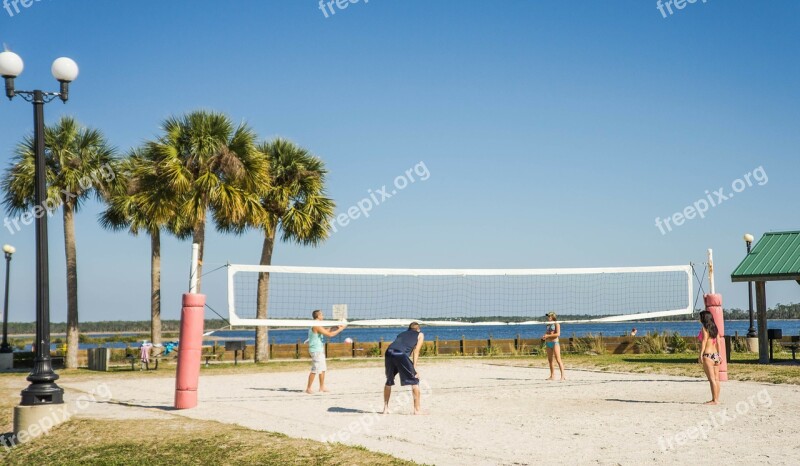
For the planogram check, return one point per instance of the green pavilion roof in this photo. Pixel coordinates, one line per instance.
(776, 256)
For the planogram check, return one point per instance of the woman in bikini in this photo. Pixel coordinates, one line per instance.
(551, 345)
(709, 354)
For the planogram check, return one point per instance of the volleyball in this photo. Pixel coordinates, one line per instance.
(348, 340)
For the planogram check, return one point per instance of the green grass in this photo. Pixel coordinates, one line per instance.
(181, 442)
(744, 366)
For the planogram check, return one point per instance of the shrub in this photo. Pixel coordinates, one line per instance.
(739, 344)
(652, 343)
(523, 350)
(677, 343)
(373, 352)
(588, 344)
(491, 351)
(428, 349)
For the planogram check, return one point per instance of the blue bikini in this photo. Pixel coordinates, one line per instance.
(551, 328)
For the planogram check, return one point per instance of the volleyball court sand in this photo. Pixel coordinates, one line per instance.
(483, 412)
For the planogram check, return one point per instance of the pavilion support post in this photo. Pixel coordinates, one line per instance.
(761, 307)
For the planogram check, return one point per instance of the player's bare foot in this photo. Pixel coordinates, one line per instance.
(309, 391)
(563, 379)
(323, 390)
(386, 411)
(712, 402)
(550, 378)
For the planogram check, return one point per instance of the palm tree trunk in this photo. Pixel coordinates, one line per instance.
(199, 238)
(72, 287)
(262, 337)
(155, 286)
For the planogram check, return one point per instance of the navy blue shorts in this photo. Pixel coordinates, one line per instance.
(398, 362)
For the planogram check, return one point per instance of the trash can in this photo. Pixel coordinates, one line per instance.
(235, 346)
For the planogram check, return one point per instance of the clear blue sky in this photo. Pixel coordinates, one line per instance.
(554, 132)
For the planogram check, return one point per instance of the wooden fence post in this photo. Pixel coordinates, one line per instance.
(436, 346)
(353, 348)
(461, 345)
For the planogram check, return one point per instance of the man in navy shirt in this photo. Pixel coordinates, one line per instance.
(401, 358)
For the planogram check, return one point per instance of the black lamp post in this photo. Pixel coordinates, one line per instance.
(43, 389)
(5, 347)
(751, 332)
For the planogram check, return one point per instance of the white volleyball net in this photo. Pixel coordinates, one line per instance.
(396, 297)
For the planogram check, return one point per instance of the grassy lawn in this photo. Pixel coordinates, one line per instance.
(743, 366)
(180, 441)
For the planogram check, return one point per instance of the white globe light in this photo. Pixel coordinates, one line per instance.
(65, 69)
(7, 248)
(10, 64)
(749, 238)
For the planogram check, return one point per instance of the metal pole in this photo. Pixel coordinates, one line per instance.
(43, 389)
(5, 347)
(751, 332)
(711, 272)
(193, 269)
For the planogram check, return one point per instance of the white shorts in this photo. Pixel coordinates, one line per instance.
(318, 363)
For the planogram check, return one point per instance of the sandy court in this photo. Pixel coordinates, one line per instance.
(483, 412)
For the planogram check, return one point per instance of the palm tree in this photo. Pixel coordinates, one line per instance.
(211, 165)
(294, 203)
(79, 163)
(141, 202)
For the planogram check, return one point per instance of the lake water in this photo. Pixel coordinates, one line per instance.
(367, 334)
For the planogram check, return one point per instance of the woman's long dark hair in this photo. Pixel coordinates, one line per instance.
(708, 323)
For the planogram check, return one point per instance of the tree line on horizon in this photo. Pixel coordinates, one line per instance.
(200, 165)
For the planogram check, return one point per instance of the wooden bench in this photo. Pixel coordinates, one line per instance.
(210, 356)
(146, 365)
(793, 345)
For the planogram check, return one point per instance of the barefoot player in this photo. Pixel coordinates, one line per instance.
(401, 358)
(552, 346)
(316, 348)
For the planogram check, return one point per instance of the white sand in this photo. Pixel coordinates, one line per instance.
(497, 413)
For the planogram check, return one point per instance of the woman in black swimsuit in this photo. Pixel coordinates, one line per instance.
(709, 354)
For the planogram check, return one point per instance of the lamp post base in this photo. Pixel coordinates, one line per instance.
(33, 421)
(752, 344)
(42, 394)
(6, 361)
